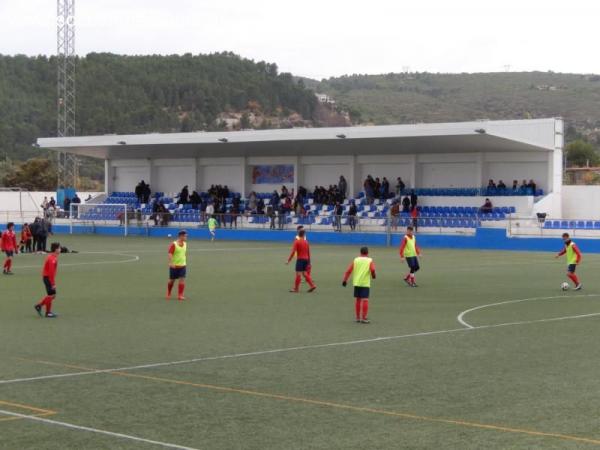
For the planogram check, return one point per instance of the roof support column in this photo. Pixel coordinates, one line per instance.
(414, 181)
(244, 193)
(354, 182)
(108, 177)
(298, 175)
(480, 173)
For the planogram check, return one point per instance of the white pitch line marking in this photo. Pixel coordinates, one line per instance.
(291, 349)
(131, 258)
(465, 324)
(95, 430)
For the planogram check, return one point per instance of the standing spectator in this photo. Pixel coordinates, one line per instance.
(377, 188)
(275, 200)
(76, 201)
(146, 193)
(414, 214)
(515, 186)
(342, 186)
(195, 199)
(52, 203)
(369, 186)
(524, 185)
(42, 237)
(260, 207)
(139, 191)
(271, 216)
(33, 228)
(385, 188)
(281, 216)
(501, 185)
(395, 214)
(337, 217)
(252, 202)
(184, 196)
(44, 204)
(406, 204)
(413, 199)
(67, 206)
(532, 186)
(284, 192)
(352, 212)
(400, 186)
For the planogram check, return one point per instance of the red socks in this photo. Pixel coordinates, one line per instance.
(170, 288)
(365, 308)
(574, 278)
(46, 302)
(357, 308)
(7, 264)
(180, 289)
(297, 281)
(308, 279)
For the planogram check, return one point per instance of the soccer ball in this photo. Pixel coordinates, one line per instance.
(169, 235)
(565, 286)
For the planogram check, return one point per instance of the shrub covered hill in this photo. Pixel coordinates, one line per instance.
(429, 97)
(137, 94)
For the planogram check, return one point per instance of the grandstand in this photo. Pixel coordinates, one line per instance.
(447, 166)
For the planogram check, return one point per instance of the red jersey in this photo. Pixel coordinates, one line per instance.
(8, 241)
(50, 268)
(25, 234)
(301, 249)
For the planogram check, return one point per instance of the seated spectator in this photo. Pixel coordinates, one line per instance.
(501, 185)
(487, 207)
(491, 184)
(524, 185)
(532, 186)
(515, 186)
(406, 204)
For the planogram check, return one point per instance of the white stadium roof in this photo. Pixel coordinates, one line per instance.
(463, 137)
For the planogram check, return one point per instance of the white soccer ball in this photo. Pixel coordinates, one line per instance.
(565, 286)
(169, 235)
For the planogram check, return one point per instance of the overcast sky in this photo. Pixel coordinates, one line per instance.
(327, 38)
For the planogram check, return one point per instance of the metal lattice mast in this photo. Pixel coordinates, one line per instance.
(65, 43)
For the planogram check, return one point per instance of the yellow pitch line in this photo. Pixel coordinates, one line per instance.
(40, 412)
(343, 406)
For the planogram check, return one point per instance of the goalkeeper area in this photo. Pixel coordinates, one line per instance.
(487, 352)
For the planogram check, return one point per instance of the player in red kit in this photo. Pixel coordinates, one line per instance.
(302, 251)
(49, 278)
(8, 244)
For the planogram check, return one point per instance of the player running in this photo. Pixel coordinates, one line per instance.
(298, 228)
(49, 278)
(411, 251)
(177, 265)
(302, 251)
(212, 227)
(8, 244)
(364, 270)
(573, 259)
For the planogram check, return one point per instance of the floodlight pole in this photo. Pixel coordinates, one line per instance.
(65, 59)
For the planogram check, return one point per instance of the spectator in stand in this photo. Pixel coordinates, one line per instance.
(406, 204)
(33, 228)
(515, 186)
(67, 206)
(342, 187)
(414, 214)
(184, 196)
(395, 214)
(385, 188)
(352, 212)
(260, 207)
(281, 216)
(75, 201)
(210, 209)
(89, 197)
(413, 199)
(44, 205)
(52, 203)
(524, 185)
(400, 186)
(139, 191)
(532, 186)
(501, 185)
(487, 207)
(146, 193)
(195, 199)
(369, 186)
(337, 216)
(491, 184)
(284, 192)
(377, 188)
(252, 202)
(234, 213)
(275, 200)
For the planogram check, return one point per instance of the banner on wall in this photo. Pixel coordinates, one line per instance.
(273, 174)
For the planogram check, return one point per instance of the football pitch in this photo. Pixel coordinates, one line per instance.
(487, 352)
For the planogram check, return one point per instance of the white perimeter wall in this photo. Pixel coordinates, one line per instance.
(31, 201)
(581, 202)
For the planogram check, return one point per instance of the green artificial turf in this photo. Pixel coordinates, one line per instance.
(524, 382)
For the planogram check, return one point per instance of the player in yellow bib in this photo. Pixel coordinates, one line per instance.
(363, 268)
(573, 259)
(177, 265)
(212, 228)
(411, 251)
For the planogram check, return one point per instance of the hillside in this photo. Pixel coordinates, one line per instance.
(137, 94)
(427, 97)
